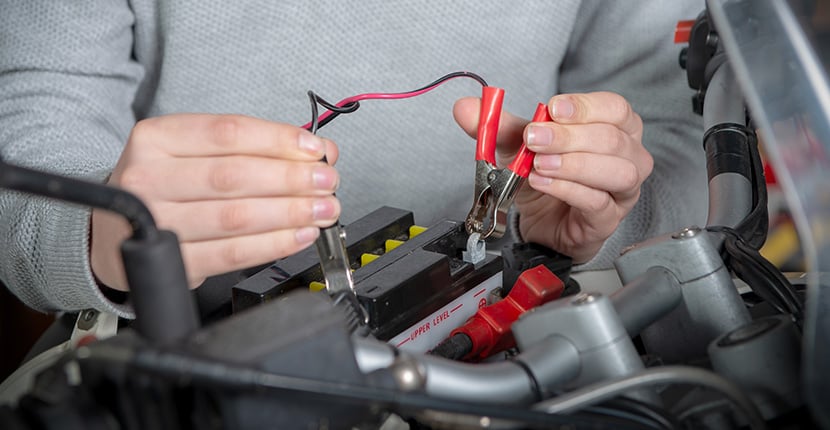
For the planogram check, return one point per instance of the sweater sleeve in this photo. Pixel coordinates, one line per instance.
(67, 84)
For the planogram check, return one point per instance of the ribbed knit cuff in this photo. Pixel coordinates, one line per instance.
(70, 283)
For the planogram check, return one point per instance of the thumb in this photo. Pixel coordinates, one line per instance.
(511, 128)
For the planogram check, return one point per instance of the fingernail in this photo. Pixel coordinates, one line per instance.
(310, 143)
(539, 136)
(548, 161)
(539, 180)
(563, 108)
(306, 235)
(324, 178)
(323, 209)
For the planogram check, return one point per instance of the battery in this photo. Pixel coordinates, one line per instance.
(400, 287)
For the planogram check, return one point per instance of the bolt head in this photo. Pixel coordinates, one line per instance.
(408, 374)
(584, 299)
(687, 233)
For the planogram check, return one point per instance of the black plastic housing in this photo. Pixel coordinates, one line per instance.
(399, 288)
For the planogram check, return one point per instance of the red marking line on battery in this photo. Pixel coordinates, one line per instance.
(479, 293)
(429, 331)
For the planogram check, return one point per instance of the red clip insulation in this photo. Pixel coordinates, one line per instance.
(489, 328)
(488, 123)
(523, 163)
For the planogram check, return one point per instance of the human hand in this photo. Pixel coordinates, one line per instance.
(586, 177)
(237, 191)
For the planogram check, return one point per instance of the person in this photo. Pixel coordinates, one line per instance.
(195, 107)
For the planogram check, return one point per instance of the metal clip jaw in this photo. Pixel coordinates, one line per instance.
(334, 261)
(495, 190)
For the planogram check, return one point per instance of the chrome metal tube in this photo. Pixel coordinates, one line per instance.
(549, 363)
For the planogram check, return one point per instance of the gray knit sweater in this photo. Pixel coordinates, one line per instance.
(75, 76)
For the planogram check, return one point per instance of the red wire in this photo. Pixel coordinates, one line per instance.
(380, 96)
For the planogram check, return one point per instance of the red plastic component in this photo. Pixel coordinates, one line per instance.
(769, 174)
(683, 30)
(489, 328)
(488, 123)
(523, 163)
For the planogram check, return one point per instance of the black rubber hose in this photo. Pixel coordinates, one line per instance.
(454, 347)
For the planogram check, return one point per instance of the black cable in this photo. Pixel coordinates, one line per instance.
(658, 416)
(763, 277)
(81, 192)
(454, 347)
(315, 100)
(753, 228)
(315, 124)
(658, 376)
(625, 415)
(165, 312)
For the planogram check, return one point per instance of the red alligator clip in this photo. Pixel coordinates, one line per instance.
(496, 188)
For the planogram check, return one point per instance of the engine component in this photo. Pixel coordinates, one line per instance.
(711, 304)
(488, 331)
(518, 257)
(215, 378)
(590, 323)
(763, 358)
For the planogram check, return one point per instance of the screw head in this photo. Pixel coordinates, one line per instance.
(408, 374)
(584, 299)
(687, 233)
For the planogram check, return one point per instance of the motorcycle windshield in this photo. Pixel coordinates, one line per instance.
(780, 51)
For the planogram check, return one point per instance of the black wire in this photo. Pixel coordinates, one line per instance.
(315, 100)
(625, 415)
(631, 410)
(657, 416)
(769, 278)
(753, 228)
(454, 347)
(763, 277)
(315, 124)
(81, 192)
(449, 76)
